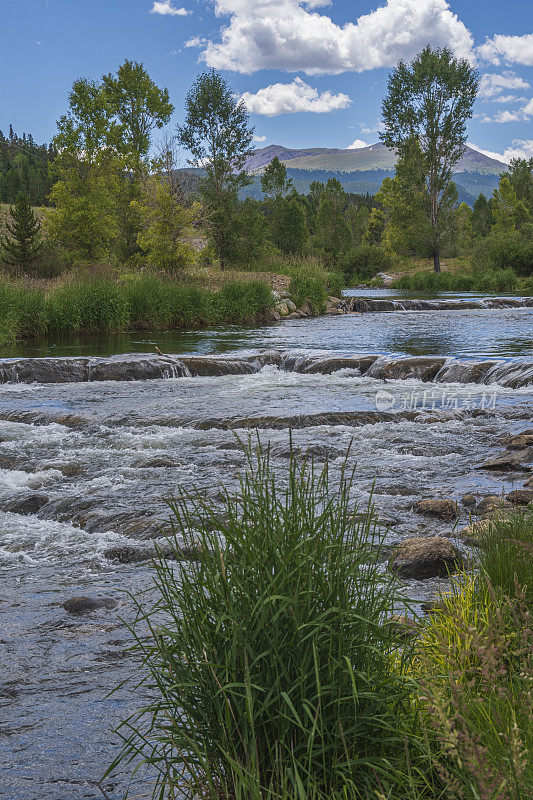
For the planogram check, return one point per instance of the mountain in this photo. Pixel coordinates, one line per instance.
(363, 170)
(375, 156)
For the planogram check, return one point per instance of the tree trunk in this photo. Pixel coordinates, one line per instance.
(436, 260)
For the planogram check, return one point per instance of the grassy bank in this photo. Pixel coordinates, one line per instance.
(275, 675)
(504, 280)
(108, 303)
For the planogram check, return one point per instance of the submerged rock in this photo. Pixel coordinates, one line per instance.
(85, 605)
(30, 504)
(442, 509)
(491, 503)
(426, 557)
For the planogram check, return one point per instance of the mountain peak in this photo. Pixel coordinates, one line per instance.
(373, 157)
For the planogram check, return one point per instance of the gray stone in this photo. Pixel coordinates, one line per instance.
(426, 557)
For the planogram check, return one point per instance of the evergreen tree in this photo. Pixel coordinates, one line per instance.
(521, 177)
(21, 247)
(429, 102)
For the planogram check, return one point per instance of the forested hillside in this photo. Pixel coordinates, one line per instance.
(25, 165)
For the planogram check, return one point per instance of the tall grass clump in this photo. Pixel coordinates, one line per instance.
(241, 302)
(272, 671)
(506, 553)
(22, 311)
(475, 666)
(88, 305)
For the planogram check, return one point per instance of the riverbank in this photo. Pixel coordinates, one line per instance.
(98, 304)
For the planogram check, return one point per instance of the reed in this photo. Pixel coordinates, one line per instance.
(272, 671)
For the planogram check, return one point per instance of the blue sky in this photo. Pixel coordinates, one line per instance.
(312, 73)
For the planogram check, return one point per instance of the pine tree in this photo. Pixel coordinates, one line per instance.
(21, 247)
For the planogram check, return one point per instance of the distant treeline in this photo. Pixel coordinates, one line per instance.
(25, 166)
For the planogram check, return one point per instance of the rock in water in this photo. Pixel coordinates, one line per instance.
(468, 500)
(490, 504)
(426, 557)
(520, 497)
(443, 509)
(85, 605)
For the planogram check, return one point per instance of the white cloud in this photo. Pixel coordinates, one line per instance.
(358, 144)
(376, 128)
(510, 49)
(290, 35)
(289, 98)
(259, 138)
(520, 148)
(521, 115)
(165, 7)
(493, 84)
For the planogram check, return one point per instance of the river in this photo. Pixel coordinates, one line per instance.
(95, 433)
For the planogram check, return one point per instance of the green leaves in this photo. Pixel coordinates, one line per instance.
(425, 112)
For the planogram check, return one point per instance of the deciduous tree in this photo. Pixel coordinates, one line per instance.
(217, 133)
(429, 102)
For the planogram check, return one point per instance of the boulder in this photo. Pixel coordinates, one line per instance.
(520, 497)
(442, 509)
(468, 500)
(425, 557)
(520, 441)
(290, 305)
(85, 605)
(474, 532)
(515, 459)
(529, 483)
(490, 504)
(30, 504)
(282, 308)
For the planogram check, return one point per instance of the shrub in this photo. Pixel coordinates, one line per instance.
(364, 261)
(272, 672)
(475, 666)
(503, 251)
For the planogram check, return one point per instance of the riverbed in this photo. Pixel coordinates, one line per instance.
(96, 433)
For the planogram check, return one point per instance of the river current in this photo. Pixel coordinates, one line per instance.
(96, 433)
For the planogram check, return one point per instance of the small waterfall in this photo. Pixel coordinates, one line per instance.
(366, 305)
(438, 369)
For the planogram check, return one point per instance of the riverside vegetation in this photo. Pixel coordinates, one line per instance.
(117, 198)
(276, 672)
(274, 667)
